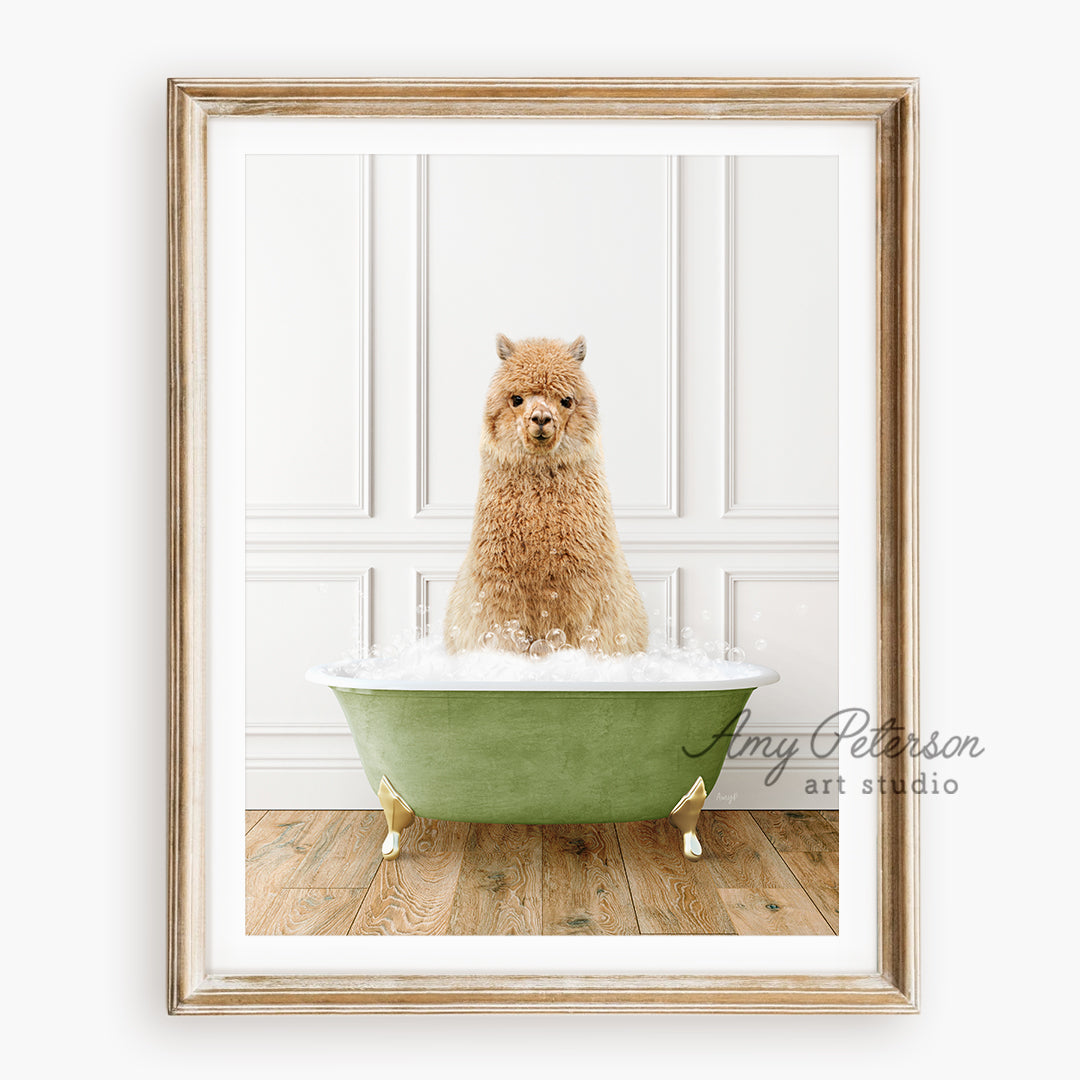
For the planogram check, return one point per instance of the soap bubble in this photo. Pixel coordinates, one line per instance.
(621, 640)
(544, 613)
(686, 633)
(482, 594)
(498, 657)
(554, 595)
(755, 616)
(761, 644)
(476, 607)
(512, 625)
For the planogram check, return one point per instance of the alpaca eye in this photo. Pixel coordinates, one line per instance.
(566, 403)
(516, 400)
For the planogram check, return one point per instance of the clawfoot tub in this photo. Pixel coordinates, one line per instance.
(543, 753)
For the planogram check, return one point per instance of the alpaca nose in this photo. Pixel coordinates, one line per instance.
(541, 417)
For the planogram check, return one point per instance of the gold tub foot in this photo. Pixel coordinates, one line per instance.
(399, 817)
(685, 818)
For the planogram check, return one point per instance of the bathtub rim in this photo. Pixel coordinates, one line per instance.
(320, 674)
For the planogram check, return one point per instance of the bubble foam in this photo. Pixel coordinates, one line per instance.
(425, 661)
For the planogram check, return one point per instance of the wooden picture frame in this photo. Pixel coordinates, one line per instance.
(892, 106)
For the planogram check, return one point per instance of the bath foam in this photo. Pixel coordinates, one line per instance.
(424, 663)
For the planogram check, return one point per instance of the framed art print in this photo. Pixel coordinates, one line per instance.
(735, 264)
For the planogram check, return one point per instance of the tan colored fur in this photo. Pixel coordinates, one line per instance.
(544, 549)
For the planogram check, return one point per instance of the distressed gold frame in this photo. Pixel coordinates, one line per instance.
(893, 105)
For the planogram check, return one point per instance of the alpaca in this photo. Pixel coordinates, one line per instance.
(544, 553)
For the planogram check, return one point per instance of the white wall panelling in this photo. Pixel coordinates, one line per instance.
(662, 595)
(432, 593)
(749, 784)
(298, 744)
(787, 619)
(314, 773)
(297, 618)
(308, 335)
(722, 492)
(791, 542)
(781, 337)
(538, 247)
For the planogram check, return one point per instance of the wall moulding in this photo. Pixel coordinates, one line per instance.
(643, 543)
(427, 506)
(361, 578)
(360, 506)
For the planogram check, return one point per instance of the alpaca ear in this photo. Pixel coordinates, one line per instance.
(577, 349)
(504, 347)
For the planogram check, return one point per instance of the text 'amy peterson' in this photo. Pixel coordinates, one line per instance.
(852, 730)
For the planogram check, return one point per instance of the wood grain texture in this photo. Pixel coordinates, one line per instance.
(585, 888)
(306, 867)
(252, 818)
(276, 847)
(773, 911)
(671, 895)
(306, 911)
(818, 873)
(488, 993)
(740, 855)
(499, 889)
(188, 646)
(818, 99)
(797, 830)
(898, 527)
(345, 853)
(292, 859)
(413, 894)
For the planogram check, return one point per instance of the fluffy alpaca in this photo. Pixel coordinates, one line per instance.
(544, 550)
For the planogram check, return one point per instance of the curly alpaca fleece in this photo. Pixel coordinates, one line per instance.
(544, 550)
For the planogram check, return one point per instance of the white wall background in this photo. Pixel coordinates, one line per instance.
(708, 290)
(84, 537)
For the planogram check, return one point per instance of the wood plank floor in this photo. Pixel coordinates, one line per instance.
(762, 872)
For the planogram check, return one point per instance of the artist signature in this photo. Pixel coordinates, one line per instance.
(852, 725)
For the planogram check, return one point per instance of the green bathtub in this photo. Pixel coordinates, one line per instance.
(543, 753)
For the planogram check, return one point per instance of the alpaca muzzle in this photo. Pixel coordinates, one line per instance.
(541, 425)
